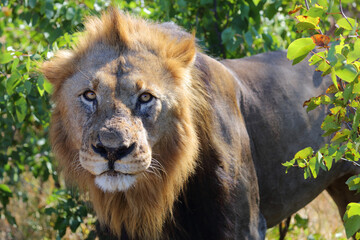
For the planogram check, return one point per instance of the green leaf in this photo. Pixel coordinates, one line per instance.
(248, 38)
(32, 3)
(356, 88)
(315, 12)
(314, 166)
(89, 4)
(5, 57)
(346, 72)
(288, 164)
(49, 210)
(74, 224)
(355, 53)
(204, 2)
(4, 188)
(307, 23)
(330, 125)
(14, 64)
(348, 92)
(301, 222)
(352, 219)
(302, 26)
(227, 35)
(323, 66)
(342, 22)
(341, 136)
(12, 82)
(48, 86)
(27, 85)
(49, 12)
(356, 120)
(316, 58)
(305, 153)
(70, 13)
(40, 85)
(28, 64)
(334, 79)
(353, 209)
(323, 3)
(328, 162)
(300, 47)
(182, 4)
(306, 173)
(21, 109)
(354, 183)
(299, 59)
(331, 56)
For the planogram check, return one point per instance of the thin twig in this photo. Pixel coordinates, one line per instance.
(343, 14)
(346, 160)
(307, 5)
(335, 13)
(320, 57)
(349, 126)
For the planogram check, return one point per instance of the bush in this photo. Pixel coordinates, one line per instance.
(31, 31)
(338, 55)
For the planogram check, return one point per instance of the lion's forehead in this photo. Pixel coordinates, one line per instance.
(122, 72)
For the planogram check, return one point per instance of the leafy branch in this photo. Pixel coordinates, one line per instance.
(338, 56)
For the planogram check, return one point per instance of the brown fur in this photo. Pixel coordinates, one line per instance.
(141, 210)
(211, 126)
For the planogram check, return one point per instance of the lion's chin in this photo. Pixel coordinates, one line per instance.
(115, 183)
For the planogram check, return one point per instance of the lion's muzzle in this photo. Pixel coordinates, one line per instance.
(117, 153)
(112, 154)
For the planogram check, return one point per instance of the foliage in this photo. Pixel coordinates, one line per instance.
(337, 55)
(32, 30)
(231, 28)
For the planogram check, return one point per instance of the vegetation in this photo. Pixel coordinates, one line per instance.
(31, 31)
(338, 55)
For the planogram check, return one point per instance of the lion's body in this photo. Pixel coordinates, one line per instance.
(272, 93)
(168, 141)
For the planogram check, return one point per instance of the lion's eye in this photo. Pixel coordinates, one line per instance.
(89, 95)
(145, 97)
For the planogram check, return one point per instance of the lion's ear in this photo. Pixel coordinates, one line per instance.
(61, 67)
(182, 51)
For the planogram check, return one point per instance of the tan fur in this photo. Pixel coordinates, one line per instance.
(142, 209)
(196, 145)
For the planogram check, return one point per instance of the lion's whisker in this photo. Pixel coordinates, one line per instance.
(153, 171)
(156, 164)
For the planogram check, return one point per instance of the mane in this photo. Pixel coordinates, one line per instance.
(143, 209)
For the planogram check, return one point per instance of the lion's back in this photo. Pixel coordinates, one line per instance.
(272, 96)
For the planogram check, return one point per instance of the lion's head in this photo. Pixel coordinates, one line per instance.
(124, 125)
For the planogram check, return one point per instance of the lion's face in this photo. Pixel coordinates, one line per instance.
(124, 126)
(120, 110)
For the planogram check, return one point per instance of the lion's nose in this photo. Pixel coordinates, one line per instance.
(113, 154)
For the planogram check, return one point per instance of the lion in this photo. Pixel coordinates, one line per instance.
(173, 144)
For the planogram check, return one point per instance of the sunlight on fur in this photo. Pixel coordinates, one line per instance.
(152, 192)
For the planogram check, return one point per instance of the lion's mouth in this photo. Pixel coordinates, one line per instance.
(113, 181)
(113, 173)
